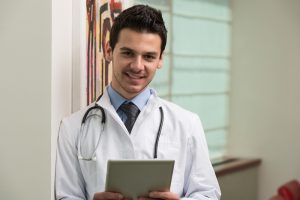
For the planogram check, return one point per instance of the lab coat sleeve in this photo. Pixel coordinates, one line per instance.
(200, 179)
(69, 182)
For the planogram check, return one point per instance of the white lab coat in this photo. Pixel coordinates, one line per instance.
(182, 139)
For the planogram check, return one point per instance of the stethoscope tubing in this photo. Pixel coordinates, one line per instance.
(96, 106)
(103, 121)
(158, 132)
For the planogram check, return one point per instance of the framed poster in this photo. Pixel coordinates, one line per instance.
(100, 15)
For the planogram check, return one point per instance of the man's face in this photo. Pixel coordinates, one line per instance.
(135, 58)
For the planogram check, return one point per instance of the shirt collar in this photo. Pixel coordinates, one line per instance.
(140, 100)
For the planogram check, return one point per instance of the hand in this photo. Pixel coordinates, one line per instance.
(108, 196)
(161, 195)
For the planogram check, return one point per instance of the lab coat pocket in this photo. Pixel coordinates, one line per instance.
(169, 150)
(88, 168)
(92, 174)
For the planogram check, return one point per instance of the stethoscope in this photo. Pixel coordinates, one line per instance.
(89, 114)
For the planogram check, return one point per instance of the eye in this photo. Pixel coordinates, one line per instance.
(127, 53)
(149, 57)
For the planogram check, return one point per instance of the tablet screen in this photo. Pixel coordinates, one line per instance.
(135, 178)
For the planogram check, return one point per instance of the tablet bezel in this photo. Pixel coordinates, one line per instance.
(134, 178)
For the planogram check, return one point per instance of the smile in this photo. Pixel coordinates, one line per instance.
(134, 75)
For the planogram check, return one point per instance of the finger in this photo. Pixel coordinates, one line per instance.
(144, 198)
(164, 195)
(107, 196)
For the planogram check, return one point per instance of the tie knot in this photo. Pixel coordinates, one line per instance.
(131, 111)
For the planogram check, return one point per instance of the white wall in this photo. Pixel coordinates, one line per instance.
(35, 88)
(265, 110)
(25, 108)
(61, 93)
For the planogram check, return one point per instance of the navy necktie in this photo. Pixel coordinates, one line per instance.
(131, 111)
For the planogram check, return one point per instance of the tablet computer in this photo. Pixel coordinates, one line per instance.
(134, 178)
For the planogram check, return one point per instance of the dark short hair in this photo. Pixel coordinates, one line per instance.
(140, 18)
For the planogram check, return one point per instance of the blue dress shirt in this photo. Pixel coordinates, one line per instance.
(117, 100)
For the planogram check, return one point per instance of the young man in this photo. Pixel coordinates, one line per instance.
(137, 41)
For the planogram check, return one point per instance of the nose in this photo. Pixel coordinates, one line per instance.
(137, 63)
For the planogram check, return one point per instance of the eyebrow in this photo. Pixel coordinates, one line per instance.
(148, 53)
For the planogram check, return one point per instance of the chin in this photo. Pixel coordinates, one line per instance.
(135, 90)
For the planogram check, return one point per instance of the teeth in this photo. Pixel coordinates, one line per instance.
(134, 76)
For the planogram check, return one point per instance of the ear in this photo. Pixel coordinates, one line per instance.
(160, 62)
(108, 52)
